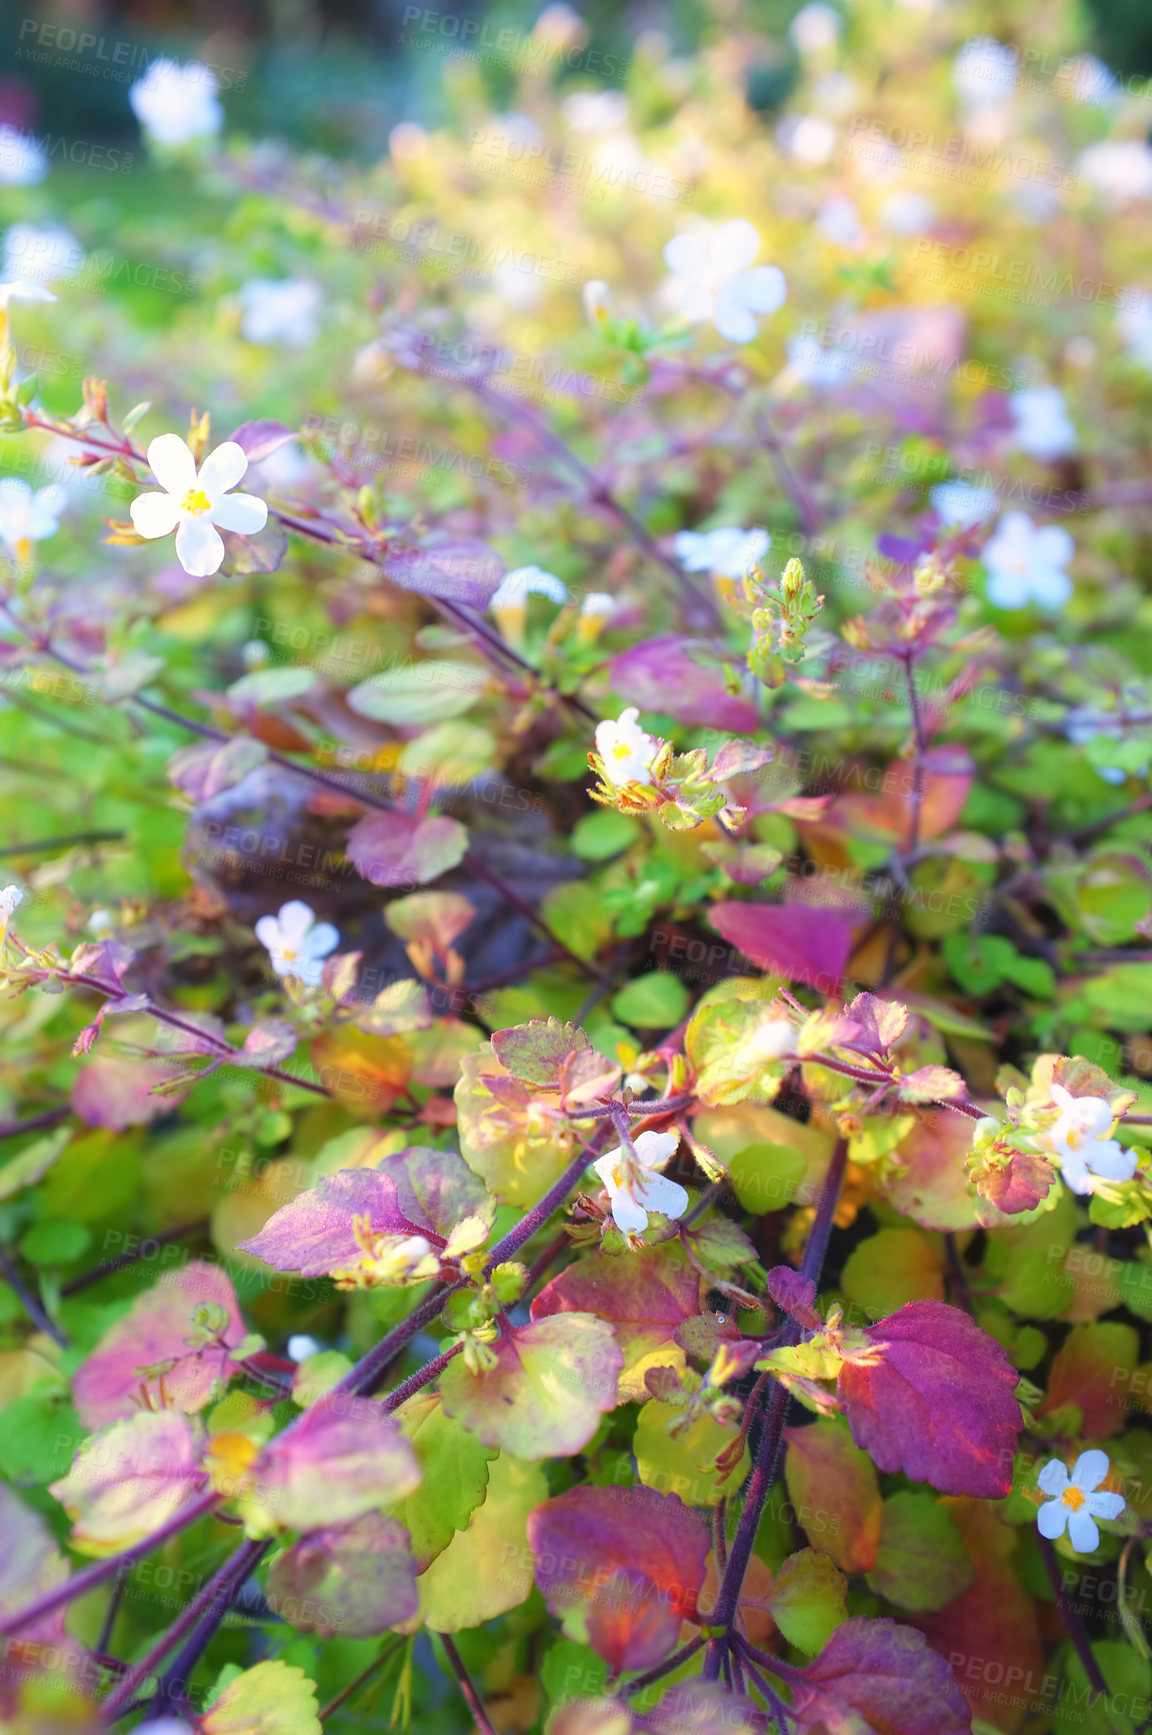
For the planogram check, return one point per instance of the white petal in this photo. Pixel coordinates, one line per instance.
(1108, 1159)
(631, 1217)
(323, 938)
(692, 550)
(1082, 1531)
(222, 469)
(1053, 1478)
(198, 546)
(268, 933)
(1008, 589)
(733, 321)
(244, 513)
(1061, 1097)
(695, 298)
(762, 290)
(686, 255)
(296, 917)
(658, 1193)
(1074, 1171)
(172, 464)
(155, 514)
(1051, 1519)
(655, 1149)
(1051, 587)
(1105, 1505)
(605, 1167)
(734, 246)
(1090, 1470)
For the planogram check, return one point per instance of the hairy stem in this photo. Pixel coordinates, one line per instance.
(764, 1470)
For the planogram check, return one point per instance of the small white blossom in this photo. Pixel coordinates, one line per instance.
(194, 504)
(959, 505)
(907, 213)
(1075, 1505)
(809, 138)
(284, 311)
(728, 551)
(301, 1346)
(711, 279)
(596, 111)
(40, 253)
(1087, 80)
(1119, 169)
(635, 1184)
(27, 517)
(1026, 563)
(812, 365)
(815, 28)
(1078, 1140)
(176, 104)
(101, 923)
(297, 943)
(524, 581)
(625, 748)
(9, 898)
(1043, 427)
(984, 72)
(23, 159)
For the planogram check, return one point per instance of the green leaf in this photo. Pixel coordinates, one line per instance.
(537, 1051)
(684, 1464)
(54, 1241)
(487, 1569)
(893, 1267)
(835, 1493)
(272, 686)
(271, 1699)
(921, 1564)
(808, 1599)
(766, 1177)
(428, 692)
(454, 1470)
(552, 1381)
(656, 1001)
(33, 1163)
(603, 834)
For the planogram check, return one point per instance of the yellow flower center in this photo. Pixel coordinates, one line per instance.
(1072, 1497)
(195, 501)
(288, 954)
(621, 750)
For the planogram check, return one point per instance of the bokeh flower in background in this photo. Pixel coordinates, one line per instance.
(280, 311)
(1026, 563)
(177, 105)
(713, 279)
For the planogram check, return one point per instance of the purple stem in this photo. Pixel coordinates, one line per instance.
(29, 1301)
(471, 1697)
(764, 1471)
(1071, 1619)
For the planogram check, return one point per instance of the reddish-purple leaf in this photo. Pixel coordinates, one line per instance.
(685, 679)
(30, 1563)
(459, 568)
(269, 1042)
(119, 1093)
(261, 438)
(799, 941)
(793, 1294)
(627, 1562)
(1016, 1185)
(645, 1296)
(349, 1581)
(396, 849)
(881, 1022)
(155, 1332)
(738, 758)
(875, 1677)
(936, 1401)
(339, 1460)
(207, 769)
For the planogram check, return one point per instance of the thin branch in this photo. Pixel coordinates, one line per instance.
(29, 1301)
(1070, 1617)
(650, 1678)
(921, 750)
(41, 846)
(471, 1697)
(35, 1123)
(362, 1678)
(123, 1260)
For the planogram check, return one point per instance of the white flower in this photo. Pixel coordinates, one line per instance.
(1074, 1504)
(596, 111)
(810, 138)
(838, 221)
(9, 898)
(26, 517)
(1043, 427)
(283, 311)
(297, 943)
(301, 1346)
(597, 298)
(525, 581)
(1026, 563)
(23, 159)
(40, 253)
(193, 505)
(1088, 80)
(598, 605)
(984, 72)
(1079, 1143)
(635, 1184)
(815, 28)
(626, 750)
(728, 551)
(1134, 318)
(1119, 169)
(711, 281)
(175, 104)
(959, 505)
(907, 213)
(21, 289)
(101, 923)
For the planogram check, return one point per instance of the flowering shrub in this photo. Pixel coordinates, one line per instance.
(576, 959)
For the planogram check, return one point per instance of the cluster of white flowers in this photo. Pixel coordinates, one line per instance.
(1080, 1142)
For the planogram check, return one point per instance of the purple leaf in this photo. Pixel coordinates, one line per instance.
(794, 1294)
(685, 679)
(805, 944)
(269, 1042)
(260, 439)
(349, 1581)
(936, 1402)
(206, 769)
(339, 1460)
(395, 849)
(459, 568)
(881, 1022)
(875, 1677)
(736, 758)
(118, 1094)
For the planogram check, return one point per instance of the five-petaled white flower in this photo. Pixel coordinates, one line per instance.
(728, 552)
(1075, 1505)
(1026, 563)
(711, 280)
(9, 898)
(959, 505)
(283, 311)
(1043, 427)
(193, 505)
(625, 748)
(297, 943)
(26, 517)
(1079, 1141)
(635, 1184)
(175, 104)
